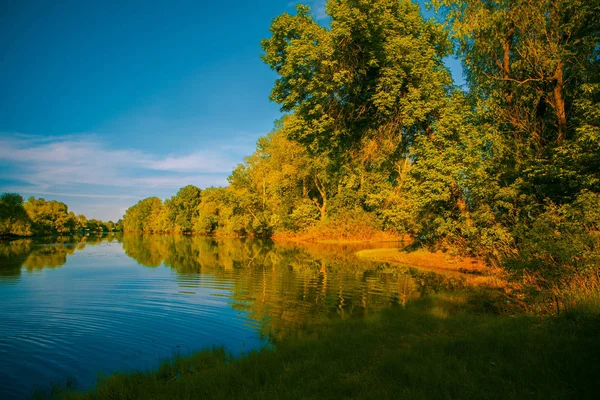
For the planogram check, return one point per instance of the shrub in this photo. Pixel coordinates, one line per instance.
(559, 253)
(305, 215)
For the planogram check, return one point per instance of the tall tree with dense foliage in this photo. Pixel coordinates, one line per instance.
(533, 66)
(533, 74)
(13, 217)
(143, 216)
(377, 73)
(182, 209)
(361, 93)
(50, 217)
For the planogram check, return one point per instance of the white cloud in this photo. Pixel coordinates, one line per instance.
(84, 167)
(66, 160)
(175, 182)
(202, 161)
(86, 160)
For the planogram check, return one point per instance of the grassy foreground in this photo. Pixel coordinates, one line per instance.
(440, 347)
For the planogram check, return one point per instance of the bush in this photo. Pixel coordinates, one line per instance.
(305, 215)
(348, 225)
(559, 253)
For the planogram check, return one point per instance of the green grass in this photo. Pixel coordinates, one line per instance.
(435, 348)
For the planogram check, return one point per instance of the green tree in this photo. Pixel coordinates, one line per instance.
(50, 217)
(142, 216)
(182, 209)
(211, 211)
(377, 72)
(81, 222)
(533, 66)
(534, 80)
(360, 93)
(110, 226)
(13, 217)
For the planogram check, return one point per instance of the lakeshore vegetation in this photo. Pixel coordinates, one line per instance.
(39, 217)
(377, 141)
(435, 348)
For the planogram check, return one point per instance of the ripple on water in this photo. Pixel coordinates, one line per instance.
(103, 312)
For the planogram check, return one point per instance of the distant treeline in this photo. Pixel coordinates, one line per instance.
(38, 217)
(377, 138)
(33, 254)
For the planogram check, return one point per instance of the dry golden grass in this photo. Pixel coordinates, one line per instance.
(328, 237)
(475, 271)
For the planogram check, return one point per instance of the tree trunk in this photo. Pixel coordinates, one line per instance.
(506, 45)
(323, 205)
(304, 188)
(402, 171)
(506, 56)
(559, 103)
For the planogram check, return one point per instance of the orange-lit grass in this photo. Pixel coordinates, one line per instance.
(576, 293)
(474, 271)
(582, 295)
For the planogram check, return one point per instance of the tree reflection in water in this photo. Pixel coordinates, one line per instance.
(37, 254)
(285, 287)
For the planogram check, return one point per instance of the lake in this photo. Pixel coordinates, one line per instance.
(79, 307)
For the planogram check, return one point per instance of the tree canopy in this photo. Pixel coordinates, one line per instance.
(41, 217)
(376, 137)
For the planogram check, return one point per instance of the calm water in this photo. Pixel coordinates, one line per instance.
(80, 307)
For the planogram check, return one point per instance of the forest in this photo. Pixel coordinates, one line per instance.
(376, 141)
(39, 217)
(376, 138)
(380, 158)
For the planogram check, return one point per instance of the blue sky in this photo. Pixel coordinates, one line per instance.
(108, 102)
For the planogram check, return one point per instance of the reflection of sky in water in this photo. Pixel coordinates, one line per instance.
(103, 312)
(100, 313)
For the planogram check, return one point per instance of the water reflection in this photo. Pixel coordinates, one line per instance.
(285, 286)
(103, 312)
(37, 254)
(281, 286)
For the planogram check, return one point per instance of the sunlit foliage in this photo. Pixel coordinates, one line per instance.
(376, 137)
(38, 217)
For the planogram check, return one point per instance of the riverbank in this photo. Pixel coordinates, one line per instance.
(442, 346)
(10, 238)
(473, 270)
(396, 250)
